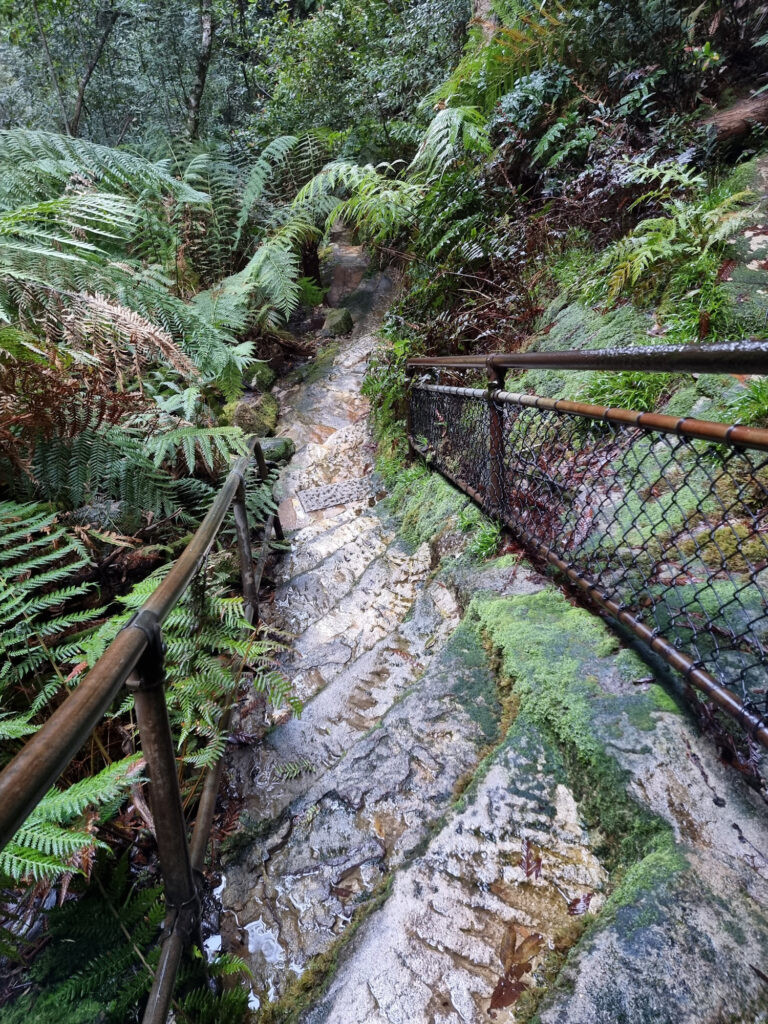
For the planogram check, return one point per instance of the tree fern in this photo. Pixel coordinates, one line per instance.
(39, 563)
(50, 844)
(41, 165)
(102, 948)
(533, 36)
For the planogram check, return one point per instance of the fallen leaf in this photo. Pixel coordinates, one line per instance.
(525, 952)
(724, 273)
(507, 992)
(580, 905)
(531, 862)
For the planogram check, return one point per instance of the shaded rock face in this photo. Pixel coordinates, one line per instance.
(481, 814)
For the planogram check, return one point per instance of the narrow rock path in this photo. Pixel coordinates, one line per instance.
(400, 706)
(400, 811)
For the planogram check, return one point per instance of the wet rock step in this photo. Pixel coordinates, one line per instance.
(351, 704)
(339, 631)
(493, 890)
(331, 848)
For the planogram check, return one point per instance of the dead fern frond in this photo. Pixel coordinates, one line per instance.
(38, 403)
(119, 337)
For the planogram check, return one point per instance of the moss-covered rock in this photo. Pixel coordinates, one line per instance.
(555, 655)
(337, 322)
(736, 544)
(278, 449)
(262, 377)
(254, 416)
(425, 505)
(574, 326)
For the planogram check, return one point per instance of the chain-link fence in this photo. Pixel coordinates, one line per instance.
(666, 530)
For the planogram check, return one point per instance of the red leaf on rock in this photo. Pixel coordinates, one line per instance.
(580, 905)
(507, 992)
(531, 862)
(724, 273)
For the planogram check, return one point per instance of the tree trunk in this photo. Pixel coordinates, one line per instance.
(201, 71)
(310, 263)
(739, 119)
(51, 69)
(74, 123)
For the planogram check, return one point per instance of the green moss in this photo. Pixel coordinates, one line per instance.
(503, 562)
(255, 417)
(649, 875)
(317, 368)
(338, 322)
(630, 666)
(249, 831)
(662, 700)
(631, 669)
(736, 544)
(261, 376)
(475, 685)
(552, 652)
(682, 402)
(575, 326)
(424, 504)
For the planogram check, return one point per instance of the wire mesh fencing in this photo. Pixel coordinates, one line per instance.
(665, 529)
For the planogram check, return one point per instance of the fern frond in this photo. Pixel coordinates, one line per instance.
(453, 132)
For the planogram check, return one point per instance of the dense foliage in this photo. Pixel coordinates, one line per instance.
(169, 177)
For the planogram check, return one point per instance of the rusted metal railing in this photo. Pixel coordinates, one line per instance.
(135, 659)
(659, 521)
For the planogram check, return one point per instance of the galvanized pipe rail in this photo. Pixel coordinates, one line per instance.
(135, 659)
(729, 357)
(499, 477)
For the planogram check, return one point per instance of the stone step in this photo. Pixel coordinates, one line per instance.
(351, 704)
(498, 877)
(334, 844)
(339, 627)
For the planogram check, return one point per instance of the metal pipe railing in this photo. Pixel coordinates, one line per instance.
(135, 658)
(32, 772)
(507, 490)
(682, 426)
(728, 357)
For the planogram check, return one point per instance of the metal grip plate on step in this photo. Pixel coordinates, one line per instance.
(340, 493)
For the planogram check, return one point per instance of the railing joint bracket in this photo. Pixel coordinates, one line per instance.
(150, 669)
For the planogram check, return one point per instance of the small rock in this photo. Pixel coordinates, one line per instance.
(277, 449)
(337, 322)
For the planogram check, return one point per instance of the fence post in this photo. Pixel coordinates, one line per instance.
(263, 474)
(409, 371)
(244, 554)
(496, 431)
(181, 895)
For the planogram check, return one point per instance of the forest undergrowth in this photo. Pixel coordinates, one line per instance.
(539, 173)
